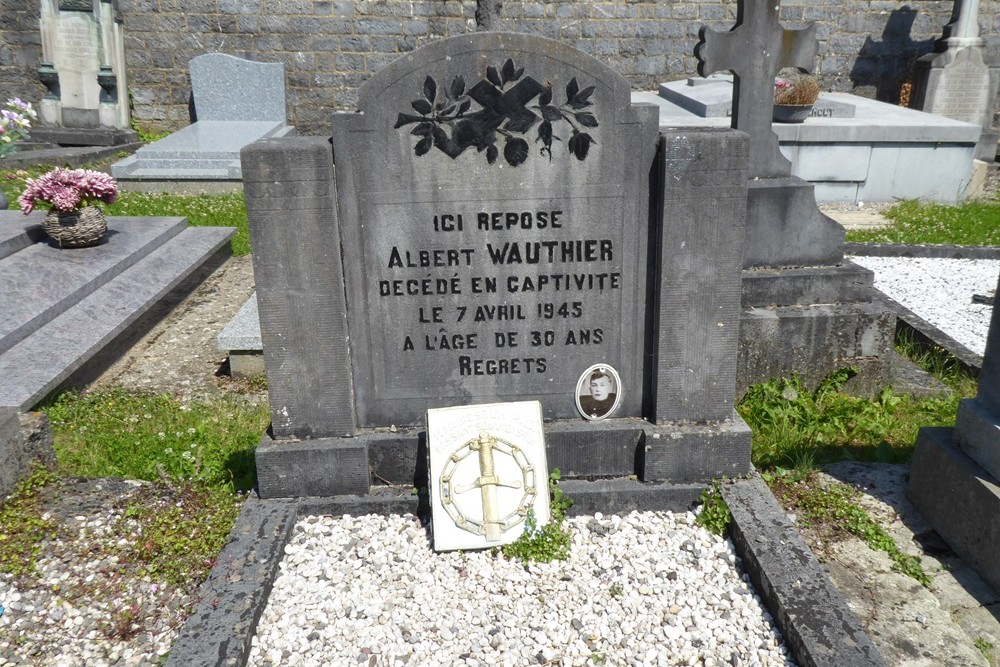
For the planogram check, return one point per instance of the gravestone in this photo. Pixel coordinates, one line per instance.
(955, 474)
(83, 70)
(237, 102)
(806, 310)
(956, 81)
(712, 97)
(499, 219)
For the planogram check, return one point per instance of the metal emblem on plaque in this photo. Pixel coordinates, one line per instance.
(487, 472)
(493, 524)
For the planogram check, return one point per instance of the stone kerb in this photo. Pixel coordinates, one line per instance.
(227, 88)
(348, 390)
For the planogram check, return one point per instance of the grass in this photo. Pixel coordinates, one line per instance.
(798, 428)
(199, 460)
(201, 210)
(118, 433)
(972, 223)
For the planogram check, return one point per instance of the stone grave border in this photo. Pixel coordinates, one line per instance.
(815, 621)
(926, 334)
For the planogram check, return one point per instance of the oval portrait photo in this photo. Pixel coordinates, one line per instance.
(598, 392)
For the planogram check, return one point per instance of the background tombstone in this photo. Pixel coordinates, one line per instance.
(487, 234)
(83, 69)
(955, 471)
(237, 102)
(956, 81)
(810, 320)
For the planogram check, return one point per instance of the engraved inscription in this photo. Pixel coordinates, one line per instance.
(963, 92)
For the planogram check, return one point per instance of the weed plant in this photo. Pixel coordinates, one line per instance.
(22, 524)
(714, 515)
(118, 433)
(972, 223)
(832, 510)
(797, 428)
(549, 542)
(938, 362)
(175, 537)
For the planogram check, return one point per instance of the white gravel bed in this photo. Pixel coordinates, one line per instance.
(940, 291)
(647, 588)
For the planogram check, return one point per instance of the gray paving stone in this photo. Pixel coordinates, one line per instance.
(243, 331)
(28, 301)
(79, 333)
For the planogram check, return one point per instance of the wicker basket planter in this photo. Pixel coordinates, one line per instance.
(791, 113)
(76, 229)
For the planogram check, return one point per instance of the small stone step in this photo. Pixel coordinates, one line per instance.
(40, 363)
(18, 231)
(41, 281)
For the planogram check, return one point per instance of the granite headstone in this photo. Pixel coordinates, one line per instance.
(237, 102)
(957, 81)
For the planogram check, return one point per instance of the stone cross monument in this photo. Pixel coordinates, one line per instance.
(956, 81)
(791, 248)
(755, 50)
(784, 227)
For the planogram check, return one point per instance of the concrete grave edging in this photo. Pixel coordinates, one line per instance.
(815, 621)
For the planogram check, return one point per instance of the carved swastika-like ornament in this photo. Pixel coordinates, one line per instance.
(464, 508)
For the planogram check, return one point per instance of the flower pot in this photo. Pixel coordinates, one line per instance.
(76, 229)
(791, 113)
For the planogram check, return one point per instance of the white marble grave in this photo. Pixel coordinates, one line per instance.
(83, 45)
(487, 470)
(853, 150)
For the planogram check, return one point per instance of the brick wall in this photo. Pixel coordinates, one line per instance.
(330, 47)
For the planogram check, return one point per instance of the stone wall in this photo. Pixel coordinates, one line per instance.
(331, 46)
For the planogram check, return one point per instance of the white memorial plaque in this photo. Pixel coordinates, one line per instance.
(487, 471)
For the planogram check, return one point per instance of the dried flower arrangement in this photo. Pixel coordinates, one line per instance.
(68, 190)
(801, 91)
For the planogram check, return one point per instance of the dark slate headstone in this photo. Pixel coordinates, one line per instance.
(492, 236)
(492, 200)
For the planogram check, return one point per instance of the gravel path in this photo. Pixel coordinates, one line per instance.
(647, 588)
(940, 291)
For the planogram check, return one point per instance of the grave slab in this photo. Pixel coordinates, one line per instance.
(882, 152)
(71, 275)
(712, 97)
(237, 102)
(207, 150)
(91, 326)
